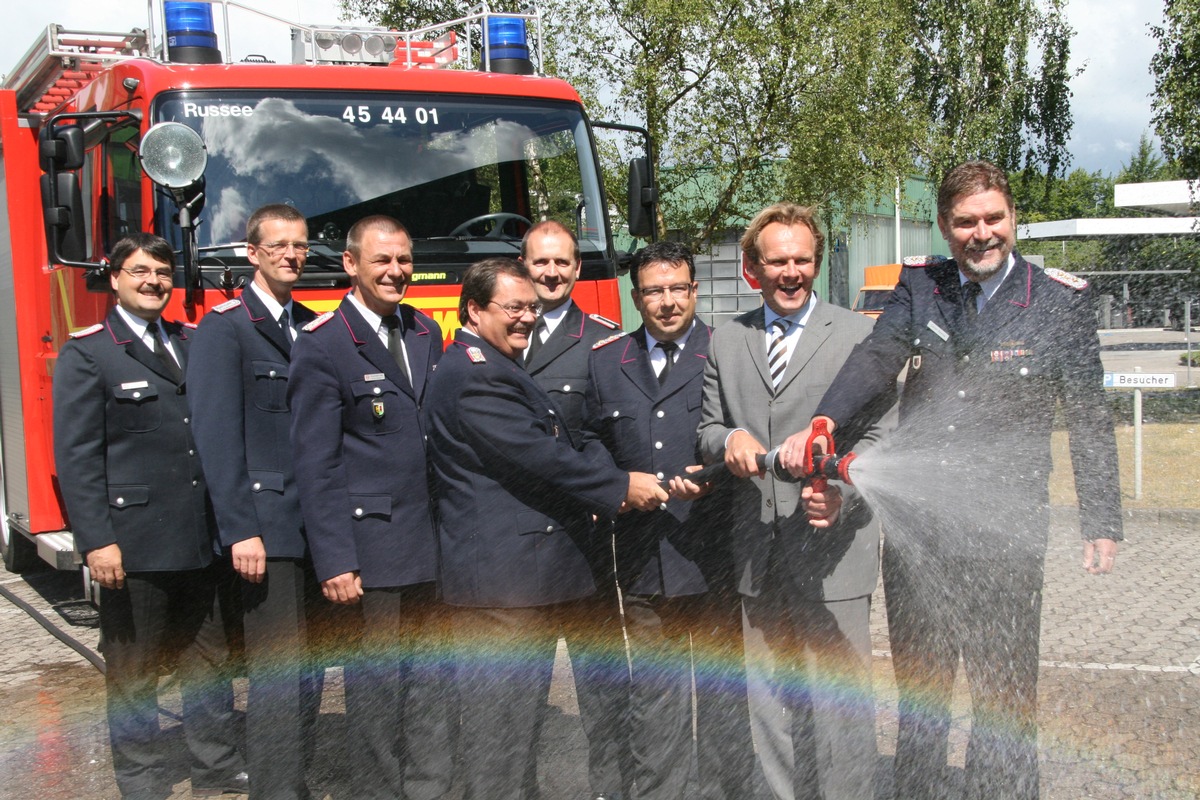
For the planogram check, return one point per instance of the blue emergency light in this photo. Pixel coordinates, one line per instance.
(191, 34)
(506, 46)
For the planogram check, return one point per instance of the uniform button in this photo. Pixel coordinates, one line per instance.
(358, 512)
(136, 395)
(966, 359)
(662, 506)
(186, 420)
(661, 414)
(950, 428)
(257, 486)
(1023, 371)
(916, 342)
(658, 475)
(376, 390)
(120, 501)
(616, 414)
(195, 483)
(191, 452)
(549, 529)
(271, 374)
(566, 387)
(658, 445)
(961, 394)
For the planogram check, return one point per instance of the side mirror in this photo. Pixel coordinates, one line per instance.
(62, 210)
(61, 148)
(642, 197)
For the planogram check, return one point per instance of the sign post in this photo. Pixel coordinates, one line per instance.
(1137, 380)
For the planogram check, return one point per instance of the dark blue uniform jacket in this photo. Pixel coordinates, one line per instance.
(359, 448)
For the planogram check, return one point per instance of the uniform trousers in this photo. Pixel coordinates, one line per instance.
(812, 708)
(399, 705)
(600, 667)
(672, 640)
(504, 661)
(280, 618)
(161, 617)
(988, 612)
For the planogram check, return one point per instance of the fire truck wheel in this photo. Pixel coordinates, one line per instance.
(20, 554)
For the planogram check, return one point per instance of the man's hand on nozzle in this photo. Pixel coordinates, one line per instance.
(794, 448)
(823, 508)
(741, 454)
(1099, 556)
(644, 493)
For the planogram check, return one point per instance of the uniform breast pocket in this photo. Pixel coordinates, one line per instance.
(567, 394)
(138, 409)
(378, 406)
(618, 418)
(270, 385)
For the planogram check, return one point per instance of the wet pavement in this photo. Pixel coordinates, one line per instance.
(1119, 685)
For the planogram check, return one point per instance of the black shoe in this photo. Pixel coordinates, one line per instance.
(238, 784)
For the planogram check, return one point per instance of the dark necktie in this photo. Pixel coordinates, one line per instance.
(668, 349)
(970, 296)
(535, 340)
(161, 353)
(285, 324)
(396, 344)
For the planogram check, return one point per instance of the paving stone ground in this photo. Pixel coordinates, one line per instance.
(1119, 686)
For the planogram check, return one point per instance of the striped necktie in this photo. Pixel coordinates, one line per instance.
(777, 352)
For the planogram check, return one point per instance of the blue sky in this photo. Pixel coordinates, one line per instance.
(1111, 103)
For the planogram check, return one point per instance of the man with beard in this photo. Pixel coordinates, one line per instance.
(358, 381)
(142, 521)
(993, 345)
(557, 359)
(515, 501)
(238, 376)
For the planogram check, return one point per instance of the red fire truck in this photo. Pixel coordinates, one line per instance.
(450, 129)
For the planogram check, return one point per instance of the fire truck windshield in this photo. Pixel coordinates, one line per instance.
(465, 174)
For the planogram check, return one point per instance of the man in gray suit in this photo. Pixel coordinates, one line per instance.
(806, 561)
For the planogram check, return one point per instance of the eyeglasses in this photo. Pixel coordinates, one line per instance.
(276, 248)
(143, 273)
(518, 310)
(679, 291)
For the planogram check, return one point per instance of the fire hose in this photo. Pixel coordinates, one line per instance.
(818, 468)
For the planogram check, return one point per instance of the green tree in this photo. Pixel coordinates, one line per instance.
(982, 97)
(1176, 68)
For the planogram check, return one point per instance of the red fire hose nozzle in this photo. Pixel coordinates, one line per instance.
(818, 467)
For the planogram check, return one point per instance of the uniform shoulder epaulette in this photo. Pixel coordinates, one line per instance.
(605, 321)
(227, 305)
(916, 262)
(87, 331)
(608, 340)
(1066, 278)
(190, 325)
(318, 322)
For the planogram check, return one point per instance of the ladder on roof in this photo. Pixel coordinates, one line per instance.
(61, 62)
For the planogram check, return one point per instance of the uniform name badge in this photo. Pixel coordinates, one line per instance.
(377, 409)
